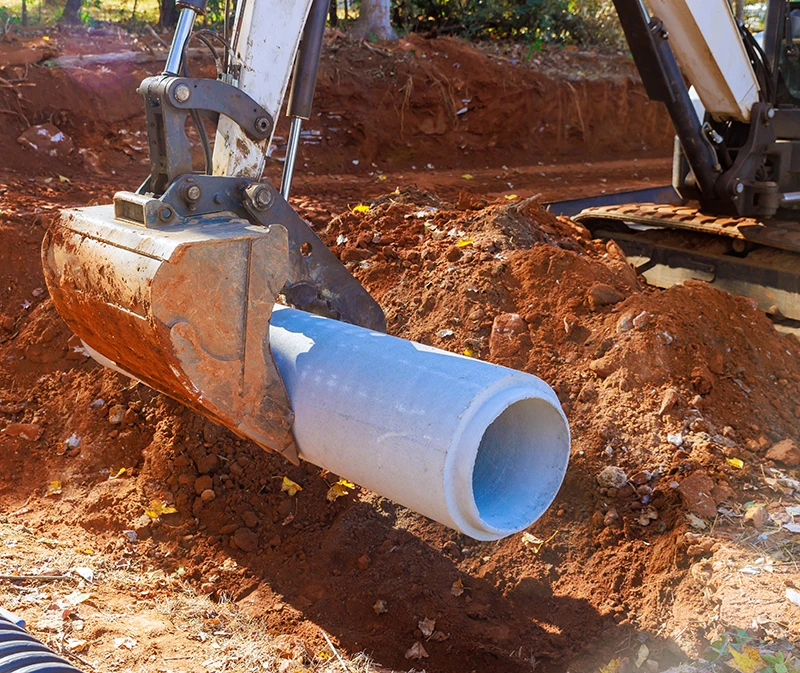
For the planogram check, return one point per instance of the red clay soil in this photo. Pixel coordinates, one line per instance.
(503, 281)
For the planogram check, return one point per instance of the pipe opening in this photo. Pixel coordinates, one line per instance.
(520, 464)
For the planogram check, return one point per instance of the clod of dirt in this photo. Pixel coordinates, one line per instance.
(696, 491)
(47, 139)
(602, 294)
(28, 431)
(785, 452)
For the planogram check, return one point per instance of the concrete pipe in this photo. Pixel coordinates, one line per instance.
(477, 447)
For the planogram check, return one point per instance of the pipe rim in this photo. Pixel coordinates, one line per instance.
(462, 455)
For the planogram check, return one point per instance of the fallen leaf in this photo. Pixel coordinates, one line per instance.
(793, 511)
(340, 488)
(458, 588)
(128, 643)
(427, 626)
(380, 607)
(511, 197)
(381, 177)
(468, 352)
(611, 667)
(116, 475)
(467, 176)
(75, 598)
(464, 242)
(64, 178)
(532, 541)
(696, 521)
(54, 488)
(361, 208)
(746, 661)
(792, 527)
(642, 655)
(290, 486)
(157, 508)
(738, 463)
(76, 644)
(85, 573)
(416, 651)
(793, 595)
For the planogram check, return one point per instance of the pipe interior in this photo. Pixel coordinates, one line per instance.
(520, 464)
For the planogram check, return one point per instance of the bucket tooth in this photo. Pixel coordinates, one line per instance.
(184, 308)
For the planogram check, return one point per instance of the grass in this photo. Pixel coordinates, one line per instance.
(48, 11)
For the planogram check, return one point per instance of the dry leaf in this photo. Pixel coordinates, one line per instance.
(416, 651)
(458, 588)
(511, 197)
(468, 352)
(746, 661)
(54, 488)
(467, 176)
(157, 508)
(340, 488)
(128, 643)
(738, 463)
(85, 573)
(63, 178)
(642, 655)
(76, 644)
(380, 607)
(464, 242)
(427, 626)
(116, 474)
(611, 667)
(361, 208)
(290, 486)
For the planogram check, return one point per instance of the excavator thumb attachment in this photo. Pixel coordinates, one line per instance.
(181, 299)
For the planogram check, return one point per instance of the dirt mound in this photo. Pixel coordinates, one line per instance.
(504, 282)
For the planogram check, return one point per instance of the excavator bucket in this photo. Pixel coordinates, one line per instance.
(182, 301)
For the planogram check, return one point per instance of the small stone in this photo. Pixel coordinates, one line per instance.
(507, 332)
(116, 414)
(202, 484)
(601, 294)
(355, 254)
(229, 528)
(757, 516)
(29, 431)
(642, 320)
(702, 379)
(208, 495)
(625, 323)
(250, 519)
(47, 139)
(785, 452)
(453, 253)
(696, 492)
(641, 477)
(611, 517)
(363, 562)
(671, 398)
(131, 536)
(612, 477)
(207, 463)
(246, 539)
(676, 439)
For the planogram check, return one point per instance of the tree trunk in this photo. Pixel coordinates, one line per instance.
(167, 13)
(373, 21)
(71, 9)
(333, 14)
(740, 10)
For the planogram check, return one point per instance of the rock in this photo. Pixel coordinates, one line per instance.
(612, 477)
(671, 398)
(208, 463)
(696, 492)
(355, 254)
(702, 379)
(28, 431)
(508, 331)
(641, 477)
(453, 253)
(47, 139)
(250, 519)
(722, 493)
(756, 515)
(611, 517)
(116, 414)
(229, 528)
(203, 483)
(601, 294)
(208, 495)
(606, 365)
(785, 452)
(625, 323)
(588, 393)
(246, 539)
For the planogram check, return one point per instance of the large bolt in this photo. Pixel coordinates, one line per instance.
(182, 93)
(260, 196)
(262, 124)
(165, 213)
(192, 193)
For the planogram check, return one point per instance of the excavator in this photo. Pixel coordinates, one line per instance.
(731, 217)
(183, 282)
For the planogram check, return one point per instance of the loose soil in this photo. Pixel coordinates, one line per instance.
(690, 392)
